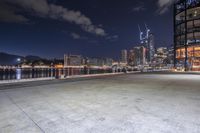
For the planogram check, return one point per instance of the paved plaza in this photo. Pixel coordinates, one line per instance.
(132, 103)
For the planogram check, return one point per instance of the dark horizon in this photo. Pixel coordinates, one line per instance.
(50, 28)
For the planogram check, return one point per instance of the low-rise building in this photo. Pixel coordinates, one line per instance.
(73, 60)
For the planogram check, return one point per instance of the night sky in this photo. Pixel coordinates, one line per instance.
(95, 28)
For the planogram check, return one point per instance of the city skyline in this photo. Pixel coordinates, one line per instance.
(94, 28)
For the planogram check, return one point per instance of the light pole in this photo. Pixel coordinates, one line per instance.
(18, 62)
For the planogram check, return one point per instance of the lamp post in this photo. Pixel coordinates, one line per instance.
(18, 62)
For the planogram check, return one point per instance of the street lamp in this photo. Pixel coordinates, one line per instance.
(18, 70)
(18, 62)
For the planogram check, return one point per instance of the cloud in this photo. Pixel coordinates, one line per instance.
(41, 8)
(7, 14)
(112, 38)
(75, 36)
(139, 7)
(164, 5)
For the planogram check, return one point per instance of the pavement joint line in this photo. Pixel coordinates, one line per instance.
(24, 112)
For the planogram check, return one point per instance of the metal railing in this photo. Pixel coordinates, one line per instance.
(11, 73)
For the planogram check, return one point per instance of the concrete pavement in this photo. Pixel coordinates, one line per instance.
(134, 103)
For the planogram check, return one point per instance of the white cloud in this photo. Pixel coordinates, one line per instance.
(164, 5)
(37, 6)
(75, 35)
(41, 8)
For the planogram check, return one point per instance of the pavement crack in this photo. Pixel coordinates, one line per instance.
(24, 112)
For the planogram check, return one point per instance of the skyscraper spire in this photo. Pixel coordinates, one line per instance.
(141, 33)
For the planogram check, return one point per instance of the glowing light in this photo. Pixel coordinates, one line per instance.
(59, 66)
(18, 59)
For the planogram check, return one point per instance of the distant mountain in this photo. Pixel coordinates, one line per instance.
(9, 59)
(32, 58)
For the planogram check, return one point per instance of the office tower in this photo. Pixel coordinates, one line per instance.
(139, 55)
(187, 34)
(124, 56)
(147, 40)
(151, 47)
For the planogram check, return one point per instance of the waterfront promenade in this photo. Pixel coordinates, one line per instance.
(128, 103)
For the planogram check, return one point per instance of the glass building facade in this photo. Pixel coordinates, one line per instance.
(187, 34)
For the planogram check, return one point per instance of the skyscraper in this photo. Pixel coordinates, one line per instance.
(131, 58)
(124, 56)
(151, 47)
(147, 40)
(187, 34)
(137, 56)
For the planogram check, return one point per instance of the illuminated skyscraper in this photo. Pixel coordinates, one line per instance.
(124, 56)
(187, 34)
(131, 58)
(137, 56)
(151, 47)
(147, 40)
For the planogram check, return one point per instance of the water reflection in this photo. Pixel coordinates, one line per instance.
(28, 73)
(18, 73)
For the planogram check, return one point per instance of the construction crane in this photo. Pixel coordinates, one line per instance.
(147, 30)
